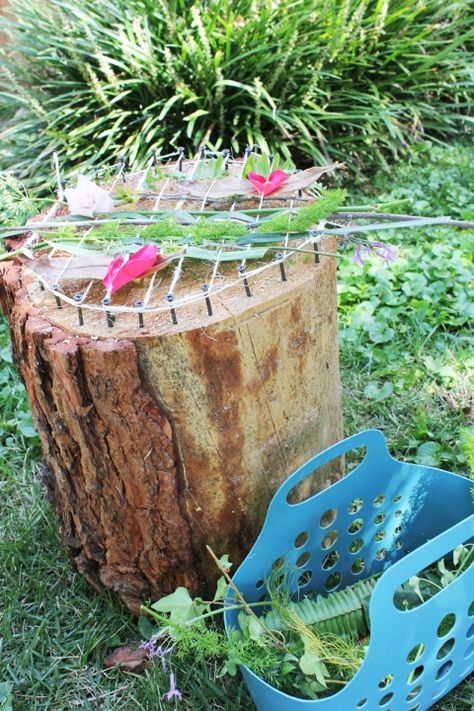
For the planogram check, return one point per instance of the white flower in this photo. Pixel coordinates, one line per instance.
(87, 198)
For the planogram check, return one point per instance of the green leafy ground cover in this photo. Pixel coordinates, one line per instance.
(407, 358)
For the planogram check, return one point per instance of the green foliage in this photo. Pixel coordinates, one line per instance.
(429, 582)
(468, 442)
(406, 328)
(317, 648)
(353, 80)
(16, 206)
(436, 181)
(312, 650)
(308, 216)
(207, 230)
(263, 165)
(342, 613)
(468, 446)
(16, 424)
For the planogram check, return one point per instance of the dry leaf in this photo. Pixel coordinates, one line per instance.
(127, 658)
(226, 187)
(93, 267)
(233, 185)
(303, 179)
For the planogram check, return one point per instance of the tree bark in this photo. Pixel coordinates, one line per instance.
(157, 443)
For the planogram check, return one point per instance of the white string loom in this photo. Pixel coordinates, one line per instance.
(152, 303)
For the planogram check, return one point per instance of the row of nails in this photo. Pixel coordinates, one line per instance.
(110, 318)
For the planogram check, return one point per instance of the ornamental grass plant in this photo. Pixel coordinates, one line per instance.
(357, 80)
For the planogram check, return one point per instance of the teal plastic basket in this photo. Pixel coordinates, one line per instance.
(404, 517)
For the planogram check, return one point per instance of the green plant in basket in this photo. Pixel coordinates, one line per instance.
(308, 646)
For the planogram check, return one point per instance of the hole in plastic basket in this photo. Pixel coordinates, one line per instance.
(301, 539)
(414, 708)
(444, 669)
(379, 500)
(356, 525)
(398, 513)
(379, 536)
(385, 699)
(324, 476)
(332, 581)
(330, 560)
(277, 563)
(259, 584)
(386, 682)
(448, 562)
(328, 518)
(262, 598)
(361, 703)
(380, 518)
(415, 674)
(397, 530)
(396, 498)
(470, 612)
(278, 580)
(446, 624)
(445, 649)
(415, 653)
(470, 632)
(303, 559)
(354, 458)
(358, 566)
(381, 554)
(329, 540)
(469, 651)
(414, 693)
(305, 578)
(356, 545)
(355, 506)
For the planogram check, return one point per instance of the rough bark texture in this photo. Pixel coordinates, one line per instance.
(156, 445)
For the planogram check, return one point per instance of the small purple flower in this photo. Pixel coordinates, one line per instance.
(360, 254)
(387, 252)
(154, 651)
(173, 692)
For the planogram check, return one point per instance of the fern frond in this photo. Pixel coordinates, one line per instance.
(307, 217)
(342, 613)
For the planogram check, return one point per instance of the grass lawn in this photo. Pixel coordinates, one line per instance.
(407, 359)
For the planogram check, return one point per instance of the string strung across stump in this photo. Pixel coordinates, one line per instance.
(180, 353)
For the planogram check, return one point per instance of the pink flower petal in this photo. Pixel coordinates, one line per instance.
(121, 270)
(256, 179)
(267, 185)
(113, 269)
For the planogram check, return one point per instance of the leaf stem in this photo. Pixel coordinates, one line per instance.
(240, 597)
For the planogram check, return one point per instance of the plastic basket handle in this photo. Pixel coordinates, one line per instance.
(382, 599)
(372, 439)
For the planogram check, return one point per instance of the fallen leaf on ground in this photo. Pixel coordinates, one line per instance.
(127, 658)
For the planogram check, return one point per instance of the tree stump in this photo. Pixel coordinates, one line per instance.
(160, 440)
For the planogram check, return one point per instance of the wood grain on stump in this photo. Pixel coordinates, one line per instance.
(160, 441)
